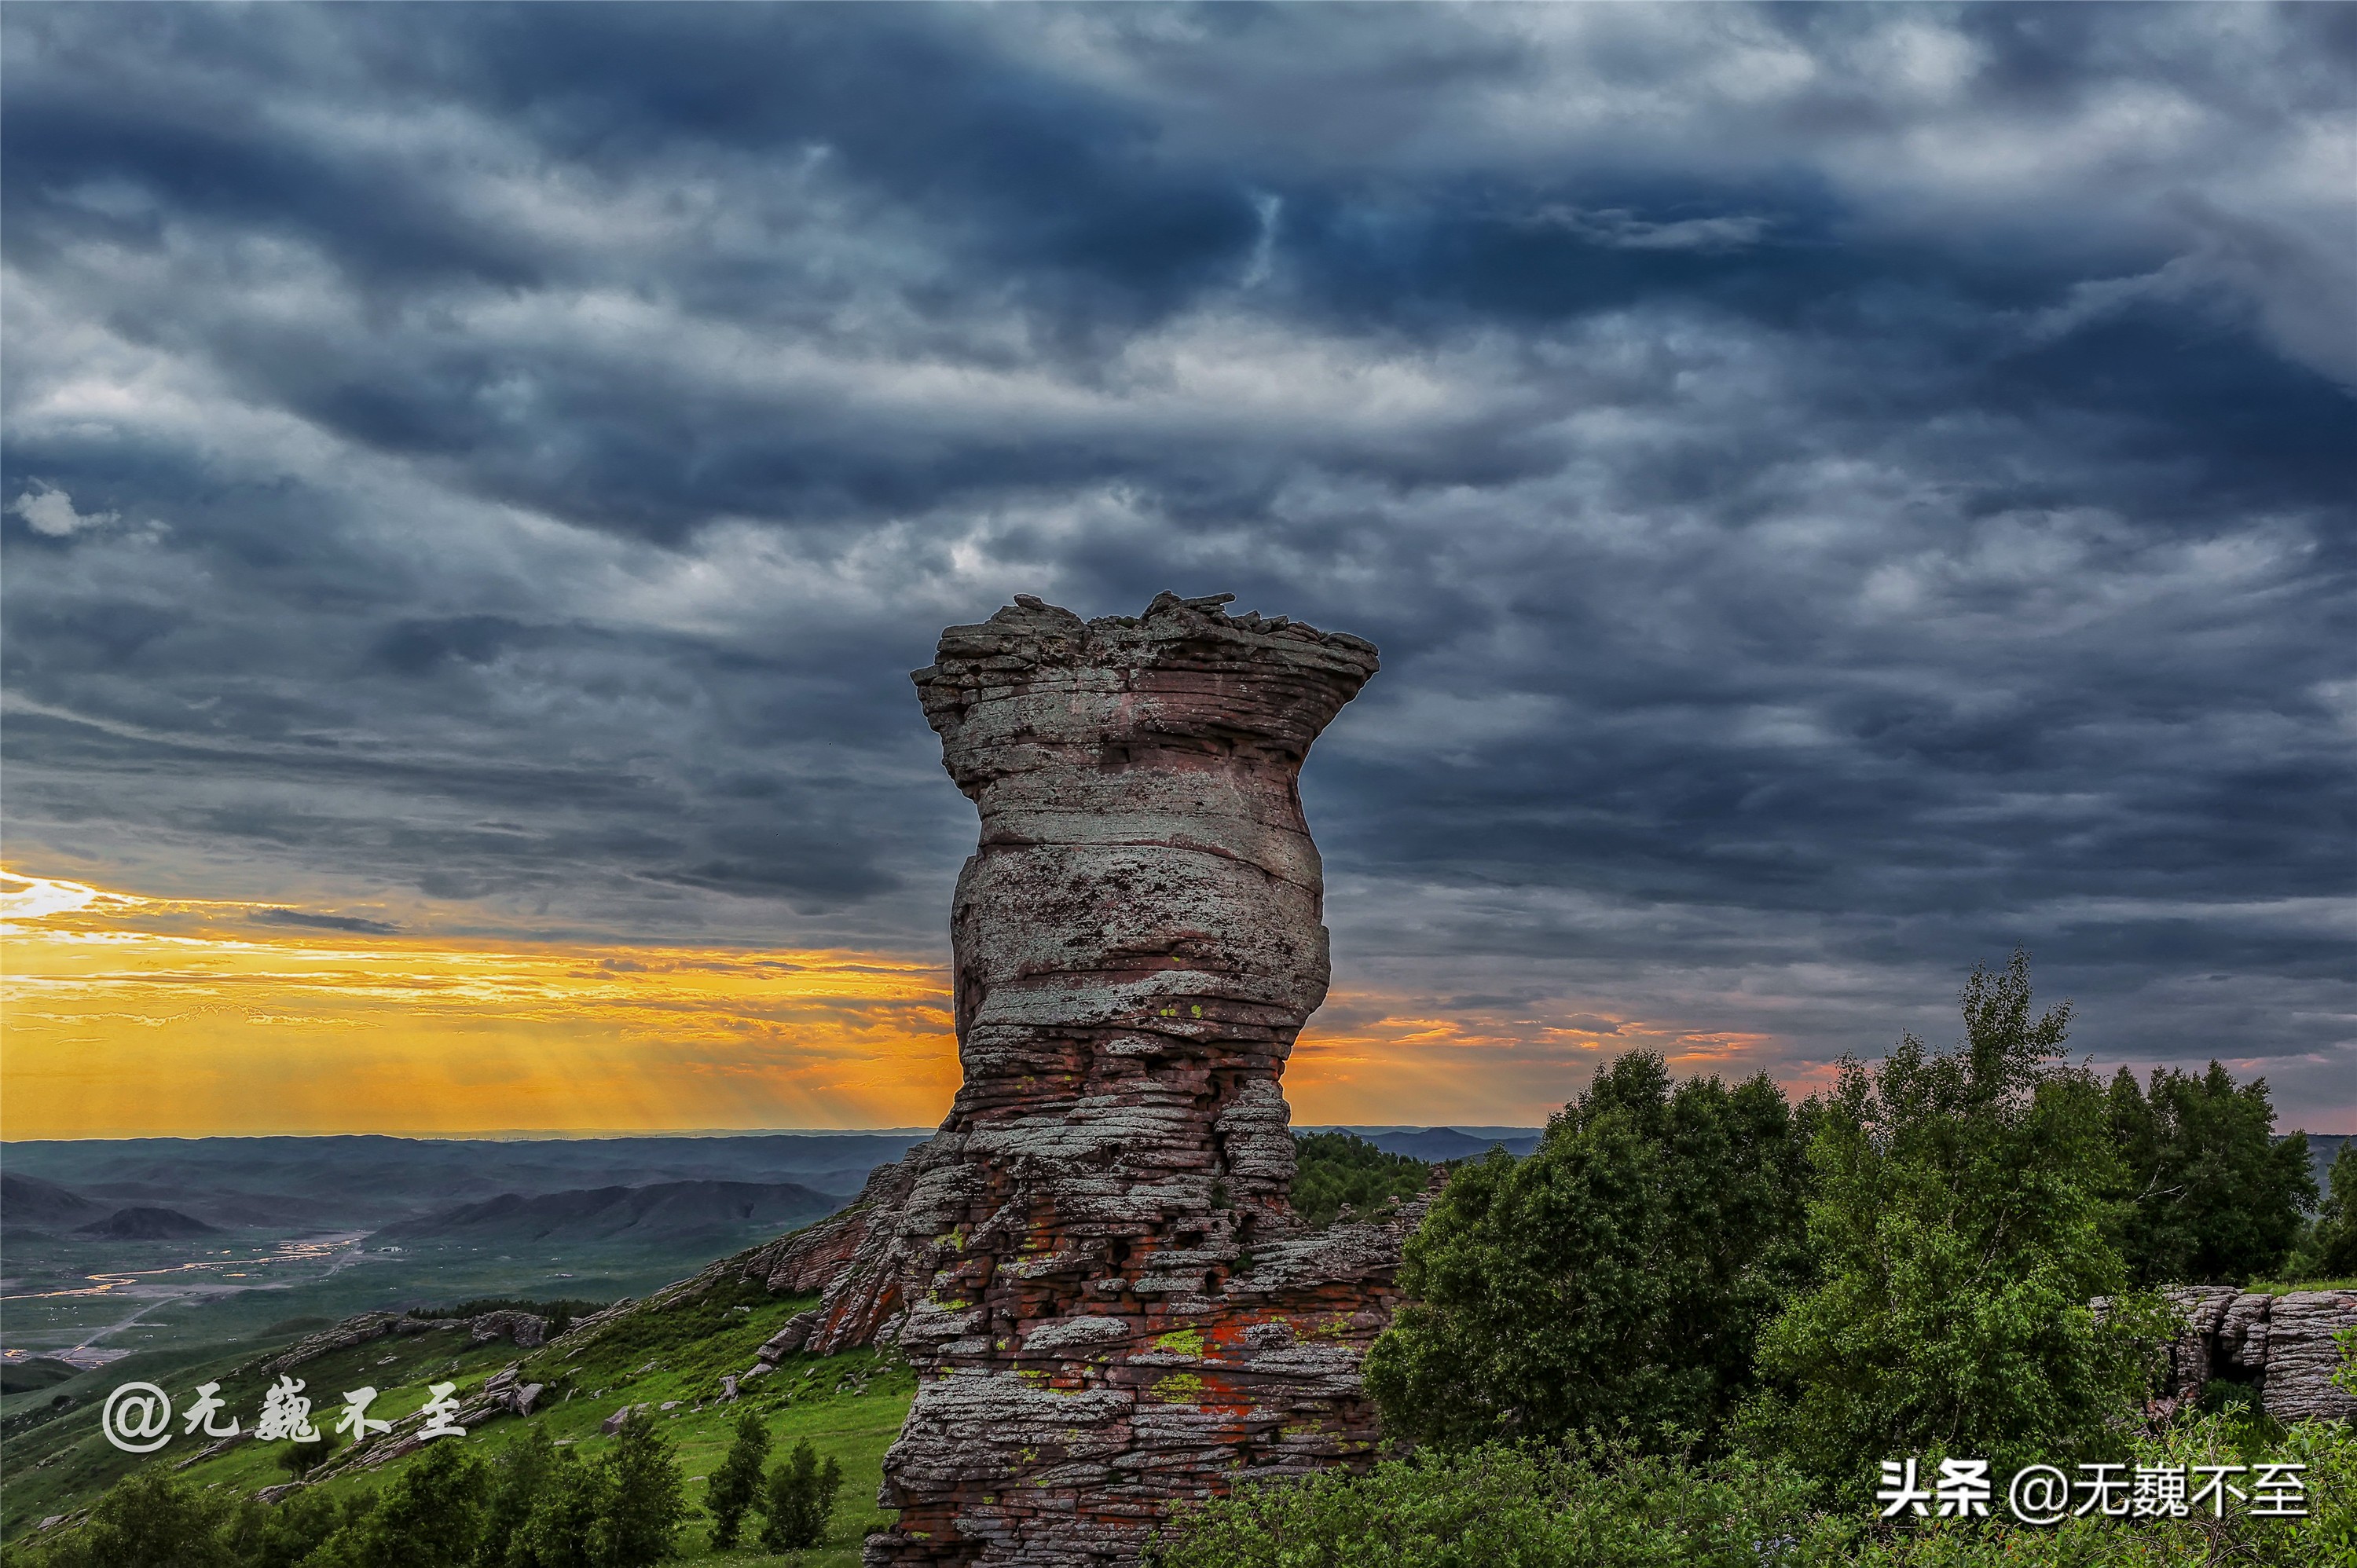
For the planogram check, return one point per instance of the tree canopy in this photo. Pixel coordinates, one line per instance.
(1618, 1275)
(1332, 1169)
(2215, 1198)
(2331, 1249)
(1964, 1220)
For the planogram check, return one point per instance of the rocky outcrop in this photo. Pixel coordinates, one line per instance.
(2284, 1346)
(503, 1393)
(1093, 1265)
(526, 1330)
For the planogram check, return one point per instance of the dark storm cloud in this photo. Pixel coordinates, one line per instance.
(1841, 491)
(307, 920)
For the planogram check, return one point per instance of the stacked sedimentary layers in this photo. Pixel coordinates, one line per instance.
(2283, 1348)
(1094, 1264)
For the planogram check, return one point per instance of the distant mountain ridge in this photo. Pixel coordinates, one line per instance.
(665, 1209)
(361, 1181)
(146, 1224)
(30, 1200)
(1436, 1145)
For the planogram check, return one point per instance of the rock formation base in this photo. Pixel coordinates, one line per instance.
(1093, 1265)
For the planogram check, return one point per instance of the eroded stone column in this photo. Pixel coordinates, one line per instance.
(1094, 1264)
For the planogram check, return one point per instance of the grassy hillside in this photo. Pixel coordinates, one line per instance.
(850, 1406)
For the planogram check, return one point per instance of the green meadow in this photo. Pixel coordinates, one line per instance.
(849, 1406)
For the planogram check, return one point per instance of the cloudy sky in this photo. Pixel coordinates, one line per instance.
(1840, 492)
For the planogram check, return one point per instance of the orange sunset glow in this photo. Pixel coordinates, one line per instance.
(130, 1016)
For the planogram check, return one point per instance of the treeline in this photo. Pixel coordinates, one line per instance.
(1702, 1311)
(1337, 1171)
(562, 1311)
(534, 1505)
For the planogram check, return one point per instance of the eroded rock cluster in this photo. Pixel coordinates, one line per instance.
(526, 1330)
(2284, 1346)
(1093, 1265)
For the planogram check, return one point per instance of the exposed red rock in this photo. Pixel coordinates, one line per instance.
(1093, 1265)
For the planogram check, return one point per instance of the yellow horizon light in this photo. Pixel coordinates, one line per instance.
(123, 1015)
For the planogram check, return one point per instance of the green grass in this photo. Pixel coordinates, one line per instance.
(2286, 1287)
(849, 1406)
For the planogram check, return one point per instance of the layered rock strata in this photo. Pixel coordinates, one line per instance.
(527, 1330)
(1093, 1265)
(2286, 1347)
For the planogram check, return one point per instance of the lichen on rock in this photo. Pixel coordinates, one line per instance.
(1093, 1265)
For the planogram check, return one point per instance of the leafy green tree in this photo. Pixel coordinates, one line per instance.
(643, 1504)
(2330, 1252)
(519, 1476)
(1620, 1273)
(736, 1485)
(1963, 1221)
(801, 1495)
(2214, 1197)
(431, 1516)
(287, 1533)
(557, 1532)
(1331, 1169)
(149, 1521)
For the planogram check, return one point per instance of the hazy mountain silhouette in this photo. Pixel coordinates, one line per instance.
(30, 1200)
(666, 1212)
(146, 1224)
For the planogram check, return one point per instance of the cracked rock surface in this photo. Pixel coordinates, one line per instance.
(2282, 1344)
(1093, 1265)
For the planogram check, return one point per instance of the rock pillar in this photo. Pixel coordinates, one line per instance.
(1094, 1264)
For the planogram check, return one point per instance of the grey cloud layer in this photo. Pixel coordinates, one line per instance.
(1840, 491)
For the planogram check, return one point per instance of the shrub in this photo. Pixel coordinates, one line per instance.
(642, 1506)
(555, 1533)
(299, 1459)
(1527, 1506)
(519, 1476)
(1619, 1275)
(736, 1485)
(1962, 1223)
(1602, 1507)
(147, 1520)
(801, 1495)
(430, 1516)
(2327, 1537)
(288, 1533)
